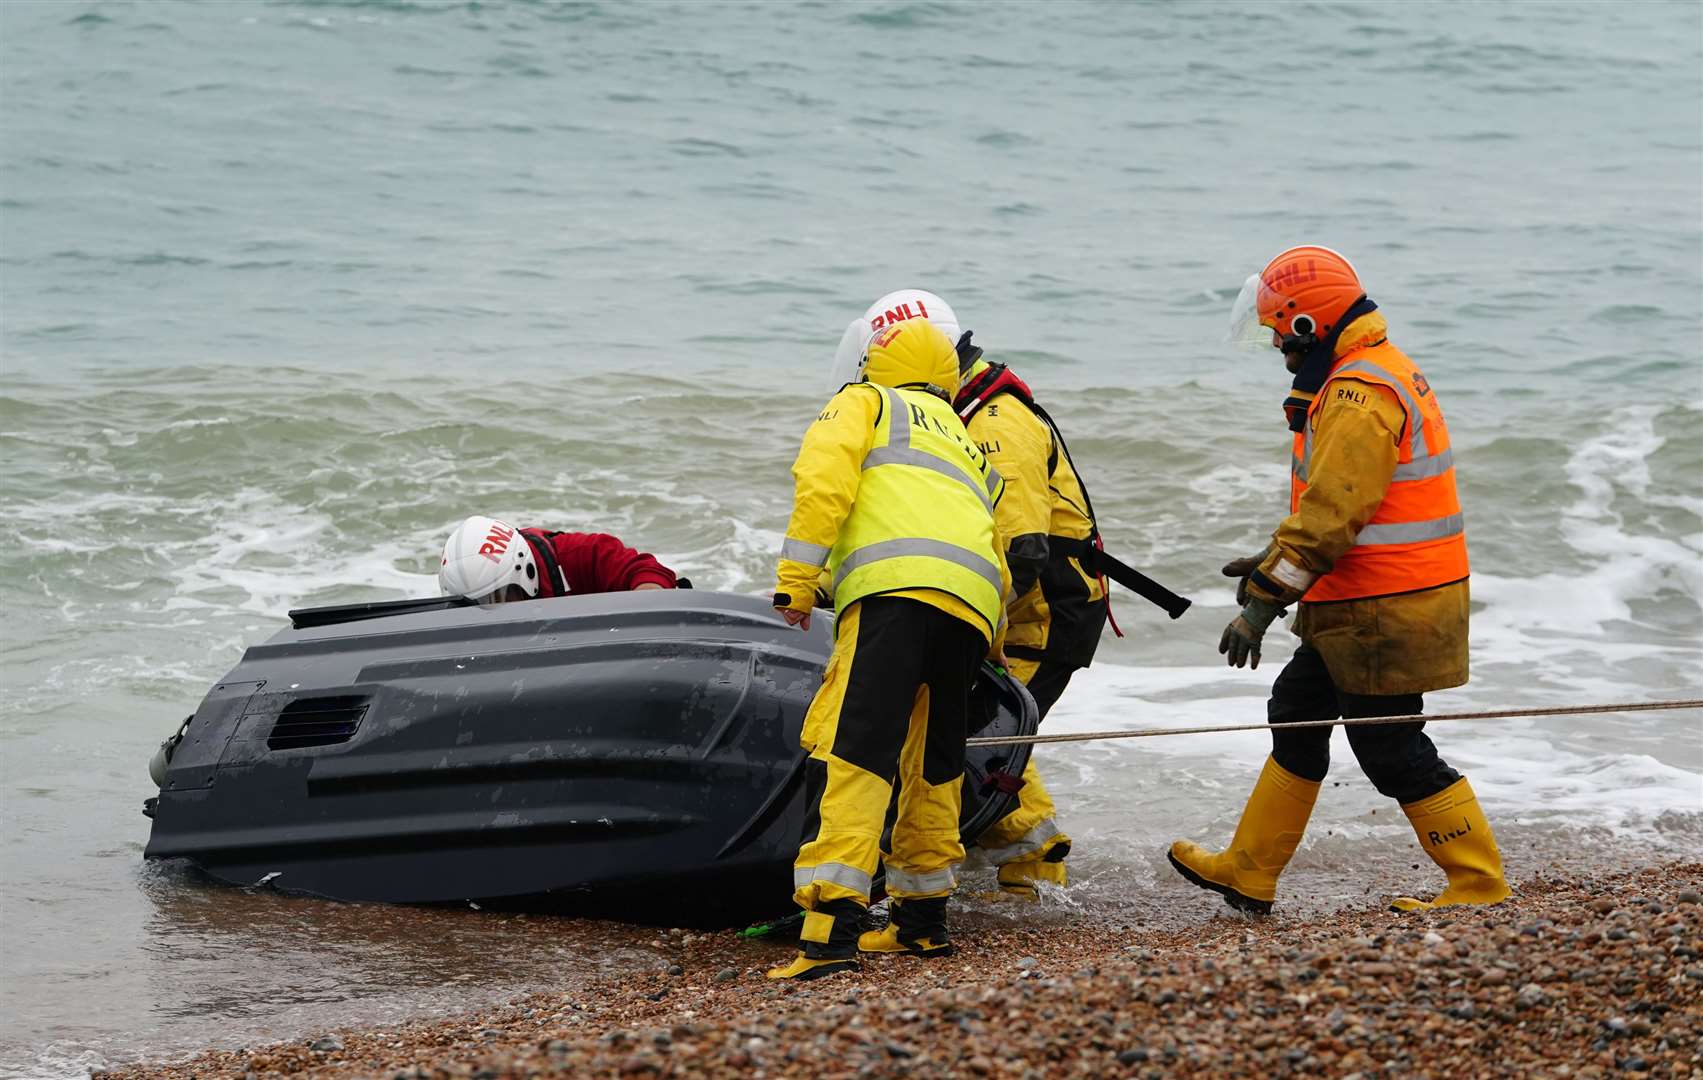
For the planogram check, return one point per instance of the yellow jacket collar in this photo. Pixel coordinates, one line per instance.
(1367, 330)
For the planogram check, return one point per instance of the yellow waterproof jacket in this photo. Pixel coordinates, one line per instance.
(1403, 644)
(1057, 610)
(846, 441)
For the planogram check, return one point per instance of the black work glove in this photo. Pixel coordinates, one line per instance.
(1240, 644)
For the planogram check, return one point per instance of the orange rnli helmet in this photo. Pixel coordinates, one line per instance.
(1301, 296)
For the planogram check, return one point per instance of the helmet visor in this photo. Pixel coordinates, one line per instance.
(1246, 331)
(851, 356)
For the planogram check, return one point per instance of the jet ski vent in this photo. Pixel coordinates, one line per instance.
(316, 722)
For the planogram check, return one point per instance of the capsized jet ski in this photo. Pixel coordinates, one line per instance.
(632, 754)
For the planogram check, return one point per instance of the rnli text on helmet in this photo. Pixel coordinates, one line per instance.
(496, 542)
(1292, 274)
(898, 314)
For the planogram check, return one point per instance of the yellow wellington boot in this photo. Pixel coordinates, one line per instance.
(1245, 873)
(1020, 877)
(889, 939)
(804, 968)
(1453, 831)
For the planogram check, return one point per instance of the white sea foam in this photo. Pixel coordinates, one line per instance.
(274, 555)
(1226, 491)
(1561, 627)
(185, 425)
(1567, 772)
(1634, 562)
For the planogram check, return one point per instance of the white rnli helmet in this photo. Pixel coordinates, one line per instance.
(853, 353)
(483, 557)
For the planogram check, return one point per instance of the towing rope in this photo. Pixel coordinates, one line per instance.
(1495, 714)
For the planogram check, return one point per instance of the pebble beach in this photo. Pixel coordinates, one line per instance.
(1587, 975)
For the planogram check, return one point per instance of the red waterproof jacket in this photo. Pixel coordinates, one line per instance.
(591, 563)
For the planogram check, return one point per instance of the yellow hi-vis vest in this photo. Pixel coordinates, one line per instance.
(923, 516)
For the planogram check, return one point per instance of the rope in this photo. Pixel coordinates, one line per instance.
(1495, 714)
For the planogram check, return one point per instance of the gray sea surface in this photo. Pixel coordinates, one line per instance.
(288, 288)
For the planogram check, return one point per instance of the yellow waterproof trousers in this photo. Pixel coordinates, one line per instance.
(892, 709)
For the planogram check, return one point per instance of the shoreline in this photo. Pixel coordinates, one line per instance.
(1576, 975)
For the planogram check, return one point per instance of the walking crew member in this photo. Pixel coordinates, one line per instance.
(494, 563)
(896, 502)
(1375, 553)
(1056, 608)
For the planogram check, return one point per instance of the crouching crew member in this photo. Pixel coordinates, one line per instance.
(493, 562)
(1374, 551)
(896, 502)
(1056, 608)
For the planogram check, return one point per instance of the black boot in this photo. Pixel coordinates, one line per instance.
(917, 927)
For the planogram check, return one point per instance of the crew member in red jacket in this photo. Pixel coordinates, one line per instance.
(493, 562)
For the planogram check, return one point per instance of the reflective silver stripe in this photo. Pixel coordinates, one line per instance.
(898, 435)
(1421, 468)
(888, 455)
(1417, 469)
(1027, 844)
(933, 549)
(935, 881)
(835, 874)
(898, 450)
(1423, 465)
(1293, 576)
(804, 552)
(1301, 465)
(1412, 532)
(1415, 418)
(996, 483)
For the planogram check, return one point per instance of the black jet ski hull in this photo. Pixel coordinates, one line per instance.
(632, 754)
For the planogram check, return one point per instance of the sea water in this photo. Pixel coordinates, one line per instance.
(290, 288)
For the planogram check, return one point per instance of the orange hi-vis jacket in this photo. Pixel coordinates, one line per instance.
(1417, 538)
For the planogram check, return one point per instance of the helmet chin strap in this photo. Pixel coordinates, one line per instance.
(1316, 355)
(927, 388)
